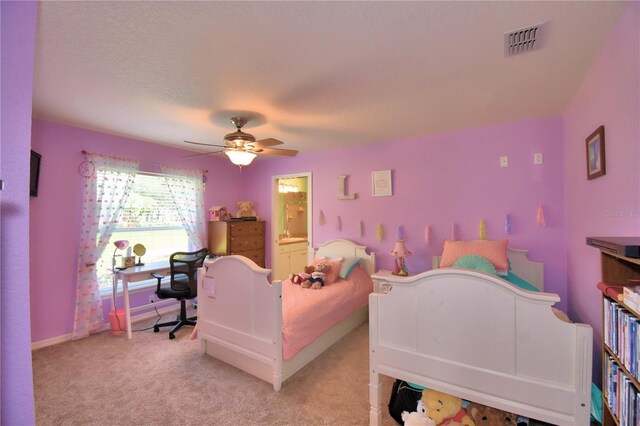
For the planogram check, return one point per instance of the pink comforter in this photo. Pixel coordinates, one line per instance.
(307, 313)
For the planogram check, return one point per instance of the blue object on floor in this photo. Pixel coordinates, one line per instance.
(596, 403)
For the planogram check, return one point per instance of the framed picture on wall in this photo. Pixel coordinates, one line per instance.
(596, 164)
(381, 183)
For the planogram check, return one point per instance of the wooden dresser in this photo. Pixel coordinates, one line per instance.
(244, 238)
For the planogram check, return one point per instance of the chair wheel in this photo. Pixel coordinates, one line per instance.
(172, 336)
(156, 329)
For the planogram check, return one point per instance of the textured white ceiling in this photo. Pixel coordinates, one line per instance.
(321, 74)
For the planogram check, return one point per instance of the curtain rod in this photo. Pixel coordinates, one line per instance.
(84, 152)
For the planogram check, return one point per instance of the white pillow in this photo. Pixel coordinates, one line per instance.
(347, 266)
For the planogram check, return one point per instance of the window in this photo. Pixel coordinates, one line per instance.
(149, 218)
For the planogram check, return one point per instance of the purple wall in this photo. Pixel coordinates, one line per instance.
(18, 47)
(55, 212)
(609, 205)
(440, 180)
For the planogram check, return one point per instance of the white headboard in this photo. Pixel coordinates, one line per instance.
(531, 272)
(346, 248)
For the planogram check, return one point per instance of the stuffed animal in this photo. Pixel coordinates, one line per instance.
(302, 276)
(418, 417)
(246, 209)
(484, 415)
(316, 280)
(445, 409)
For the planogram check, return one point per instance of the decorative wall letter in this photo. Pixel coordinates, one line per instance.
(400, 233)
(321, 220)
(359, 228)
(342, 195)
(454, 232)
(427, 234)
(380, 233)
(339, 224)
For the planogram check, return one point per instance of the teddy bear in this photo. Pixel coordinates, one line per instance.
(483, 415)
(316, 280)
(419, 417)
(445, 409)
(246, 209)
(302, 276)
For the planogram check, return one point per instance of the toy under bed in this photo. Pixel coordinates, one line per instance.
(483, 339)
(246, 321)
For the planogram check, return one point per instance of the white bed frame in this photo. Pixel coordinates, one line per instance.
(480, 338)
(241, 323)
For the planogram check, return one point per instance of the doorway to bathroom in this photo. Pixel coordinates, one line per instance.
(291, 224)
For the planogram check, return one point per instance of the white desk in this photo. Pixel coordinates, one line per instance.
(138, 273)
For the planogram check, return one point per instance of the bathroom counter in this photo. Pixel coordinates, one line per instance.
(291, 240)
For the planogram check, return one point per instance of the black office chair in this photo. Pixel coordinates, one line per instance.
(182, 286)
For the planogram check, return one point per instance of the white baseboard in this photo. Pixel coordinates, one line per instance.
(167, 307)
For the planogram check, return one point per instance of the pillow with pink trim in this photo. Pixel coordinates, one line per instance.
(494, 251)
(334, 268)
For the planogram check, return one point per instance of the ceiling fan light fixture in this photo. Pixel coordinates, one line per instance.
(240, 158)
(239, 137)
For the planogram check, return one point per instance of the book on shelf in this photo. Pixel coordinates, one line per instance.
(621, 395)
(613, 291)
(621, 334)
(631, 297)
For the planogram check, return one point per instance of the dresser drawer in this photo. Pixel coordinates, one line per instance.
(249, 242)
(246, 228)
(256, 255)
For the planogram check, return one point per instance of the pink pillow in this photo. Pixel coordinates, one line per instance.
(333, 270)
(494, 251)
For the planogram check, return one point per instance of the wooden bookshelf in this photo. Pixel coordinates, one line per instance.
(617, 270)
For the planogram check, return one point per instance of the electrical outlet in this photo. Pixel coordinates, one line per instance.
(504, 161)
(151, 299)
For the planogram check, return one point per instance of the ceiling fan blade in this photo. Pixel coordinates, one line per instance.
(205, 144)
(203, 153)
(267, 142)
(277, 151)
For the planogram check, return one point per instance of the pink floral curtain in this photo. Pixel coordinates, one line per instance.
(104, 194)
(187, 191)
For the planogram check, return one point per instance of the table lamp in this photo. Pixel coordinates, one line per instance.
(120, 245)
(400, 251)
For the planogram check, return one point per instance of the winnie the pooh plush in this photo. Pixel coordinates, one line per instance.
(483, 415)
(445, 409)
(246, 209)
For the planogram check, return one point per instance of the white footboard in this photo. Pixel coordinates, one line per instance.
(236, 324)
(482, 339)
(240, 315)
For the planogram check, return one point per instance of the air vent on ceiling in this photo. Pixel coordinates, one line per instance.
(523, 40)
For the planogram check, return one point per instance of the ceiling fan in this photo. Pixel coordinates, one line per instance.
(242, 148)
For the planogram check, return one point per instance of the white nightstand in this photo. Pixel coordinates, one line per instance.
(380, 284)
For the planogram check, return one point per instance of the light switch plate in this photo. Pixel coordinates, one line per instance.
(537, 158)
(504, 161)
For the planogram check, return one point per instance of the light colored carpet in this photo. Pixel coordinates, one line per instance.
(151, 380)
